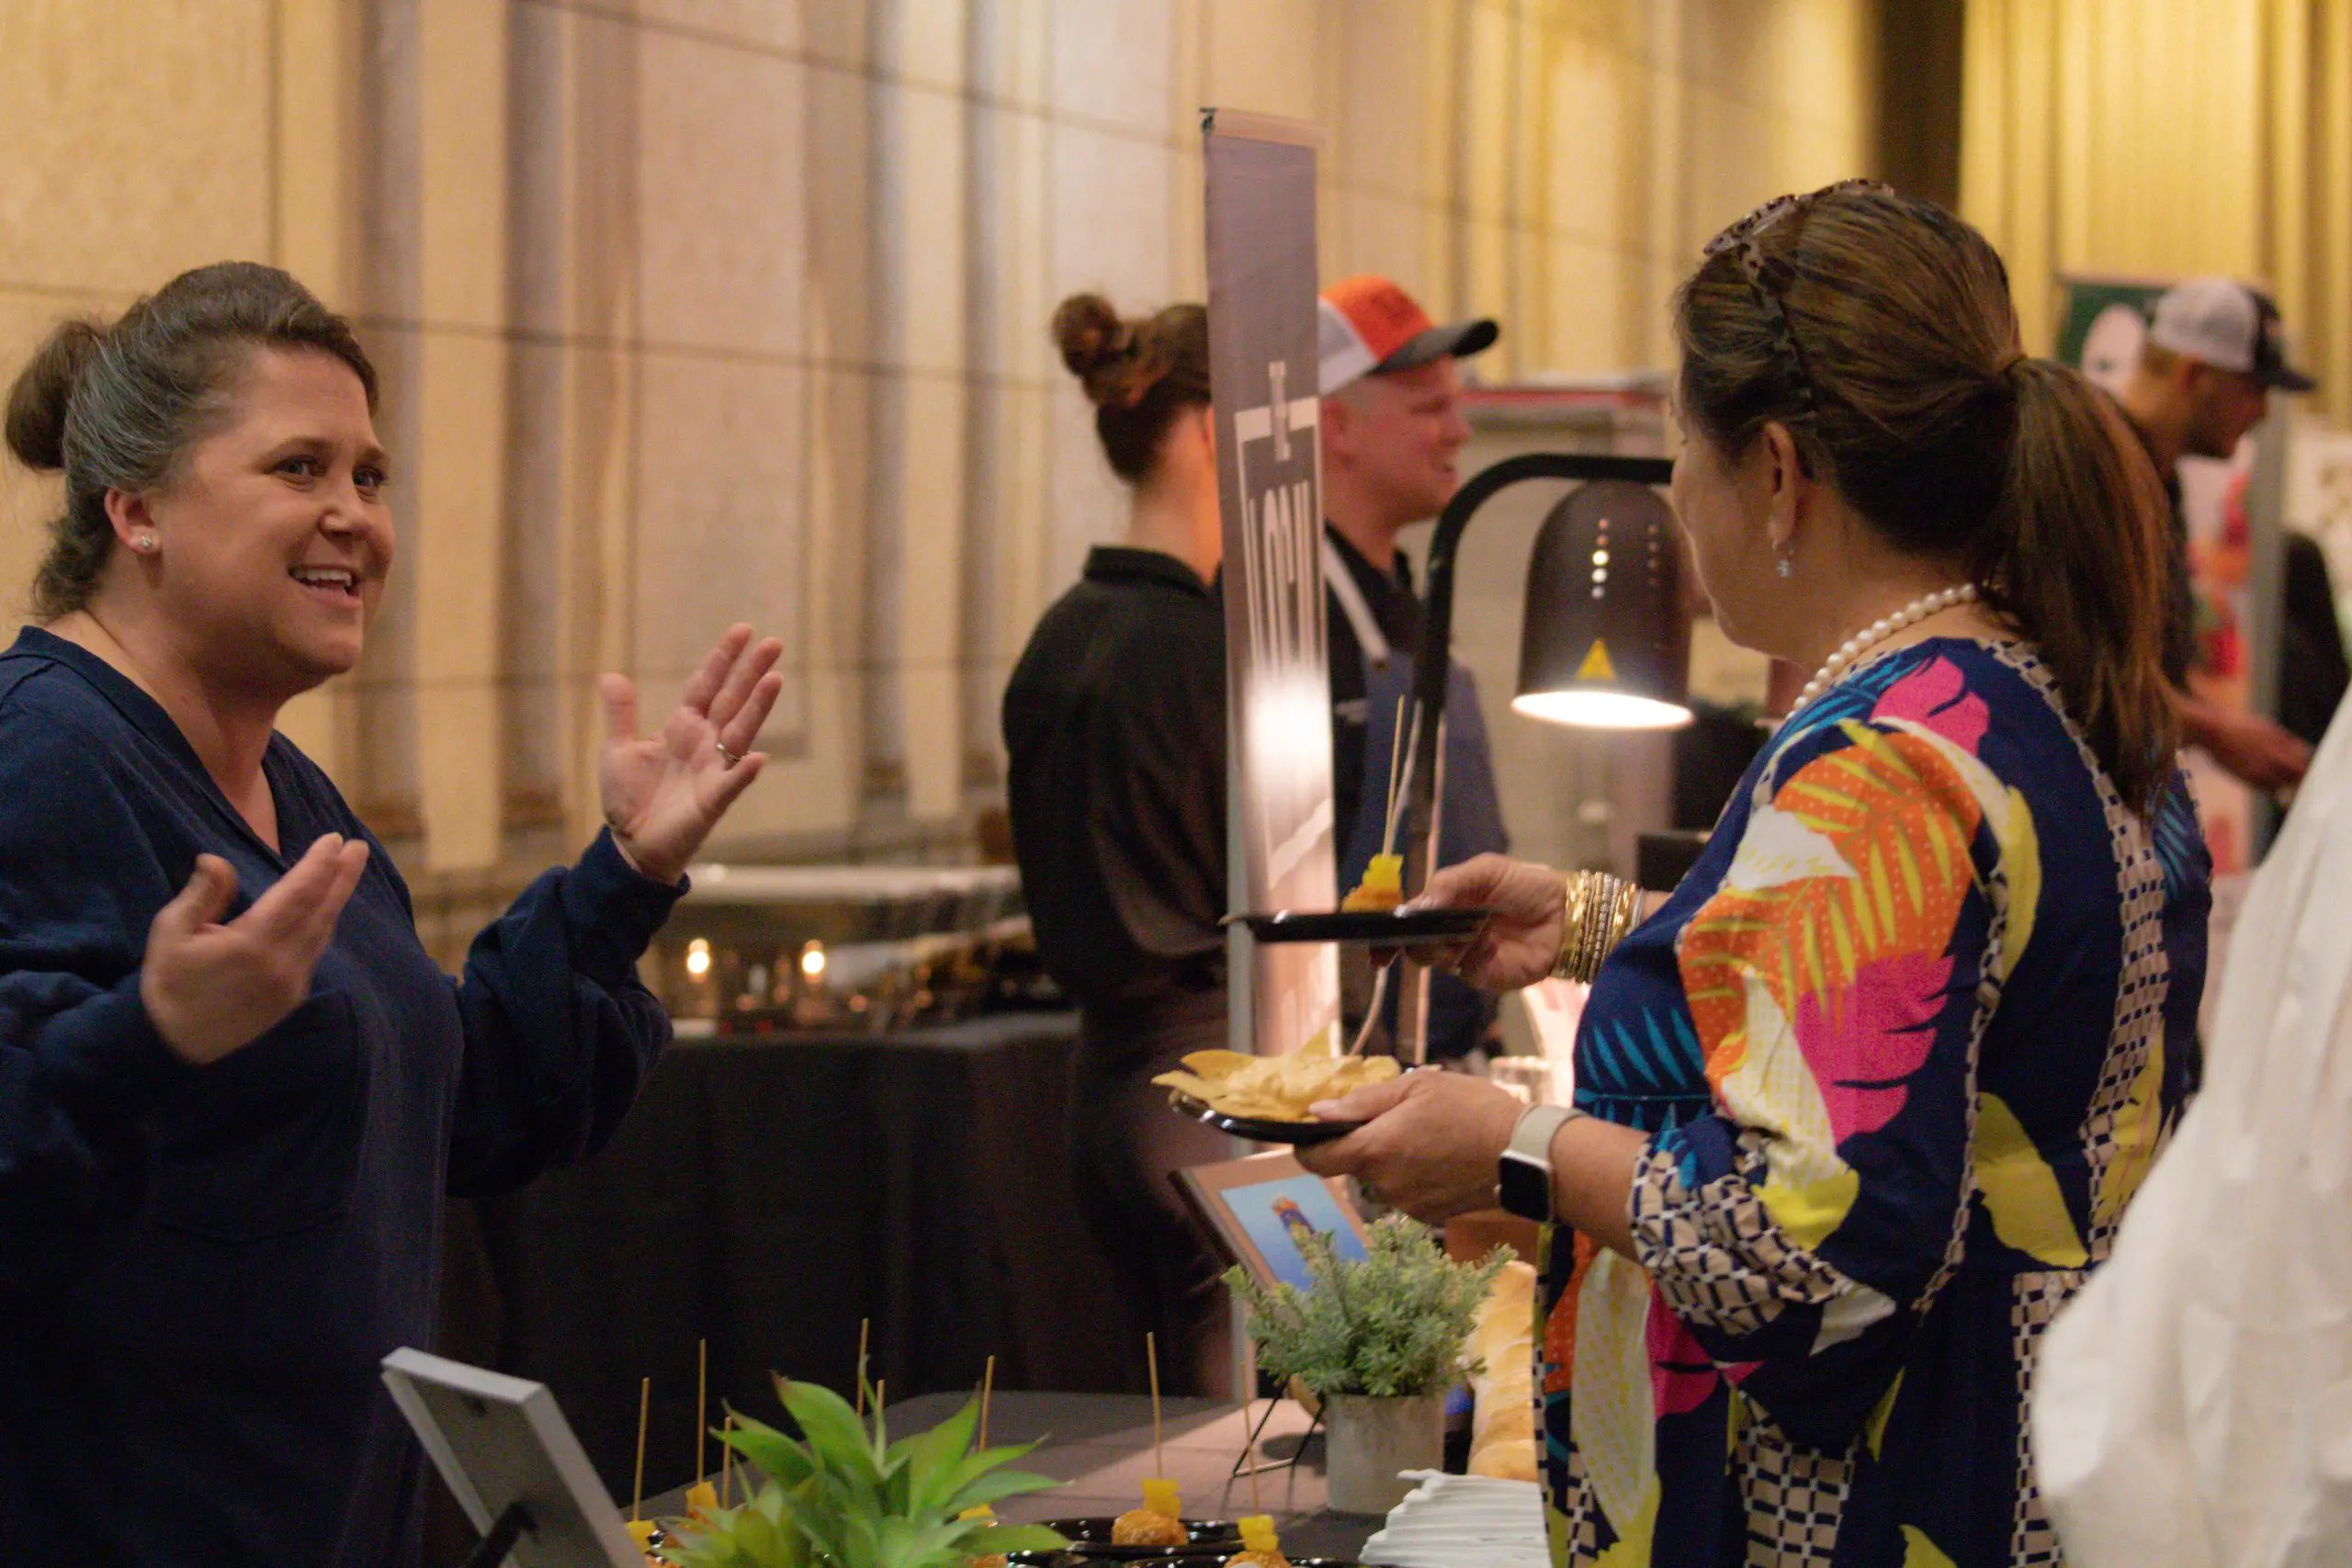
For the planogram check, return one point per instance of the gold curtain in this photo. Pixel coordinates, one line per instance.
(2169, 138)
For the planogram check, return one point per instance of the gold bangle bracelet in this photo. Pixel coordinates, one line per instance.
(1571, 891)
(1613, 928)
(1577, 939)
(1629, 909)
(1587, 912)
(1576, 899)
(1595, 924)
(1598, 911)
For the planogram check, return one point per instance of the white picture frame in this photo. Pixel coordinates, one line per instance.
(498, 1440)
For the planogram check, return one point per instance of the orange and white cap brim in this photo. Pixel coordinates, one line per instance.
(1369, 326)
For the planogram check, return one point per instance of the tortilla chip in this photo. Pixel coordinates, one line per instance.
(1274, 1088)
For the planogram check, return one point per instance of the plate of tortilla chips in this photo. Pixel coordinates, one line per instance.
(1265, 1097)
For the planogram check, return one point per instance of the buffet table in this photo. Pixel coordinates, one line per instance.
(768, 1194)
(1101, 1445)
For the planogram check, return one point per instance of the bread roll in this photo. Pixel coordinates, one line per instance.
(1502, 1425)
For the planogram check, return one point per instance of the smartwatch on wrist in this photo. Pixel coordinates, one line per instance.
(1523, 1175)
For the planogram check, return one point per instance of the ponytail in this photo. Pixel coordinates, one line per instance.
(1891, 351)
(2075, 555)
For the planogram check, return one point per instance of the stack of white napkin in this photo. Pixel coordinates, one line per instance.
(1463, 1521)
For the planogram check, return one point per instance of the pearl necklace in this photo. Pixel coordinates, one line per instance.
(1877, 632)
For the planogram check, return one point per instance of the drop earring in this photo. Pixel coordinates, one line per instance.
(1785, 566)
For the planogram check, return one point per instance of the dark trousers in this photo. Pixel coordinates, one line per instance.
(1124, 1143)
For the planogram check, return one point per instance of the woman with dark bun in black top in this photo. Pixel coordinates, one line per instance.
(1115, 722)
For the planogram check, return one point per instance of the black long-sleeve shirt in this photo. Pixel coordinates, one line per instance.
(200, 1268)
(1114, 723)
(2313, 670)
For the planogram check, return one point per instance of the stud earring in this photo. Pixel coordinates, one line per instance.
(143, 543)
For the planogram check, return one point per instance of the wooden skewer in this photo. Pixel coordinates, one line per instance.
(1151, 1353)
(987, 1387)
(702, 1406)
(863, 1325)
(644, 1408)
(1404, 770)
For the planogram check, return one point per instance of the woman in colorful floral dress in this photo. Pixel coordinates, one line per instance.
(1861, 1103)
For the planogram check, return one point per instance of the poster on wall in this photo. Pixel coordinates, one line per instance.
(2102, 321)
(1262, 369)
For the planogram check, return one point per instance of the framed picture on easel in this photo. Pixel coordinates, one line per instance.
(512, 1462)
(1256, 1209)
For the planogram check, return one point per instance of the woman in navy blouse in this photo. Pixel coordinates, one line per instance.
(233, 1089)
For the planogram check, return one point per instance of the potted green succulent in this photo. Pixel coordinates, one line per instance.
(844, 1496)
(1379, 1341)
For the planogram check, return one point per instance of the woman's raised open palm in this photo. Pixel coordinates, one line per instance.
(665, 792)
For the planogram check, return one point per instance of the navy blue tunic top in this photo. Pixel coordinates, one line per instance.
(201, 1266)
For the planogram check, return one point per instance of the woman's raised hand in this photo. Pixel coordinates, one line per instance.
(1520, 941)
(663, 794)
(211, 988)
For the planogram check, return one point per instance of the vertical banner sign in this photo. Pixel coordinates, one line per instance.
(1262, 370)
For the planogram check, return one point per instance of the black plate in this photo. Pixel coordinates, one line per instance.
(1299, 1133)
(1086, 1558)
(1091, 1541)
(1081, 1558)
(1375, 928)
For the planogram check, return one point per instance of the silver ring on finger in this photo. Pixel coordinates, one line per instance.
(729, 757)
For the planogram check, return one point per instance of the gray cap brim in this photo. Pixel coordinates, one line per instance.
(1456, 340)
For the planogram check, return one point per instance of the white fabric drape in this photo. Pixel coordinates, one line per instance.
(2193, 1407)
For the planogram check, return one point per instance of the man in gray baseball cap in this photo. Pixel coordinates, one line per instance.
(2213, 353)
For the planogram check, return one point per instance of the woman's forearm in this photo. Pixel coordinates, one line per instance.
(1592, 1179)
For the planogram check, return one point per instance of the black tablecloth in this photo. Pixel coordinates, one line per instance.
(769, 1193)
(1099, 1447)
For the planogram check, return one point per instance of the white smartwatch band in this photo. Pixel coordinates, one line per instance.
(1524, 1178)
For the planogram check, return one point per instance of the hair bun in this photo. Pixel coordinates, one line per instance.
(44, 389)
(1097, 347)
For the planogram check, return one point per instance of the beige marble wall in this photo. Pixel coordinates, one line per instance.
(694, 310)
(97, 205)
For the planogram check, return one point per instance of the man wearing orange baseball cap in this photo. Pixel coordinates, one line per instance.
(1392, 431)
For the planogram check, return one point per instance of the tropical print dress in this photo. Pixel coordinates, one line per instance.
(1908, 1038)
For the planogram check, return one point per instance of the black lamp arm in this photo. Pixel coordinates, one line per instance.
(1434, 665)
(1430, 670)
